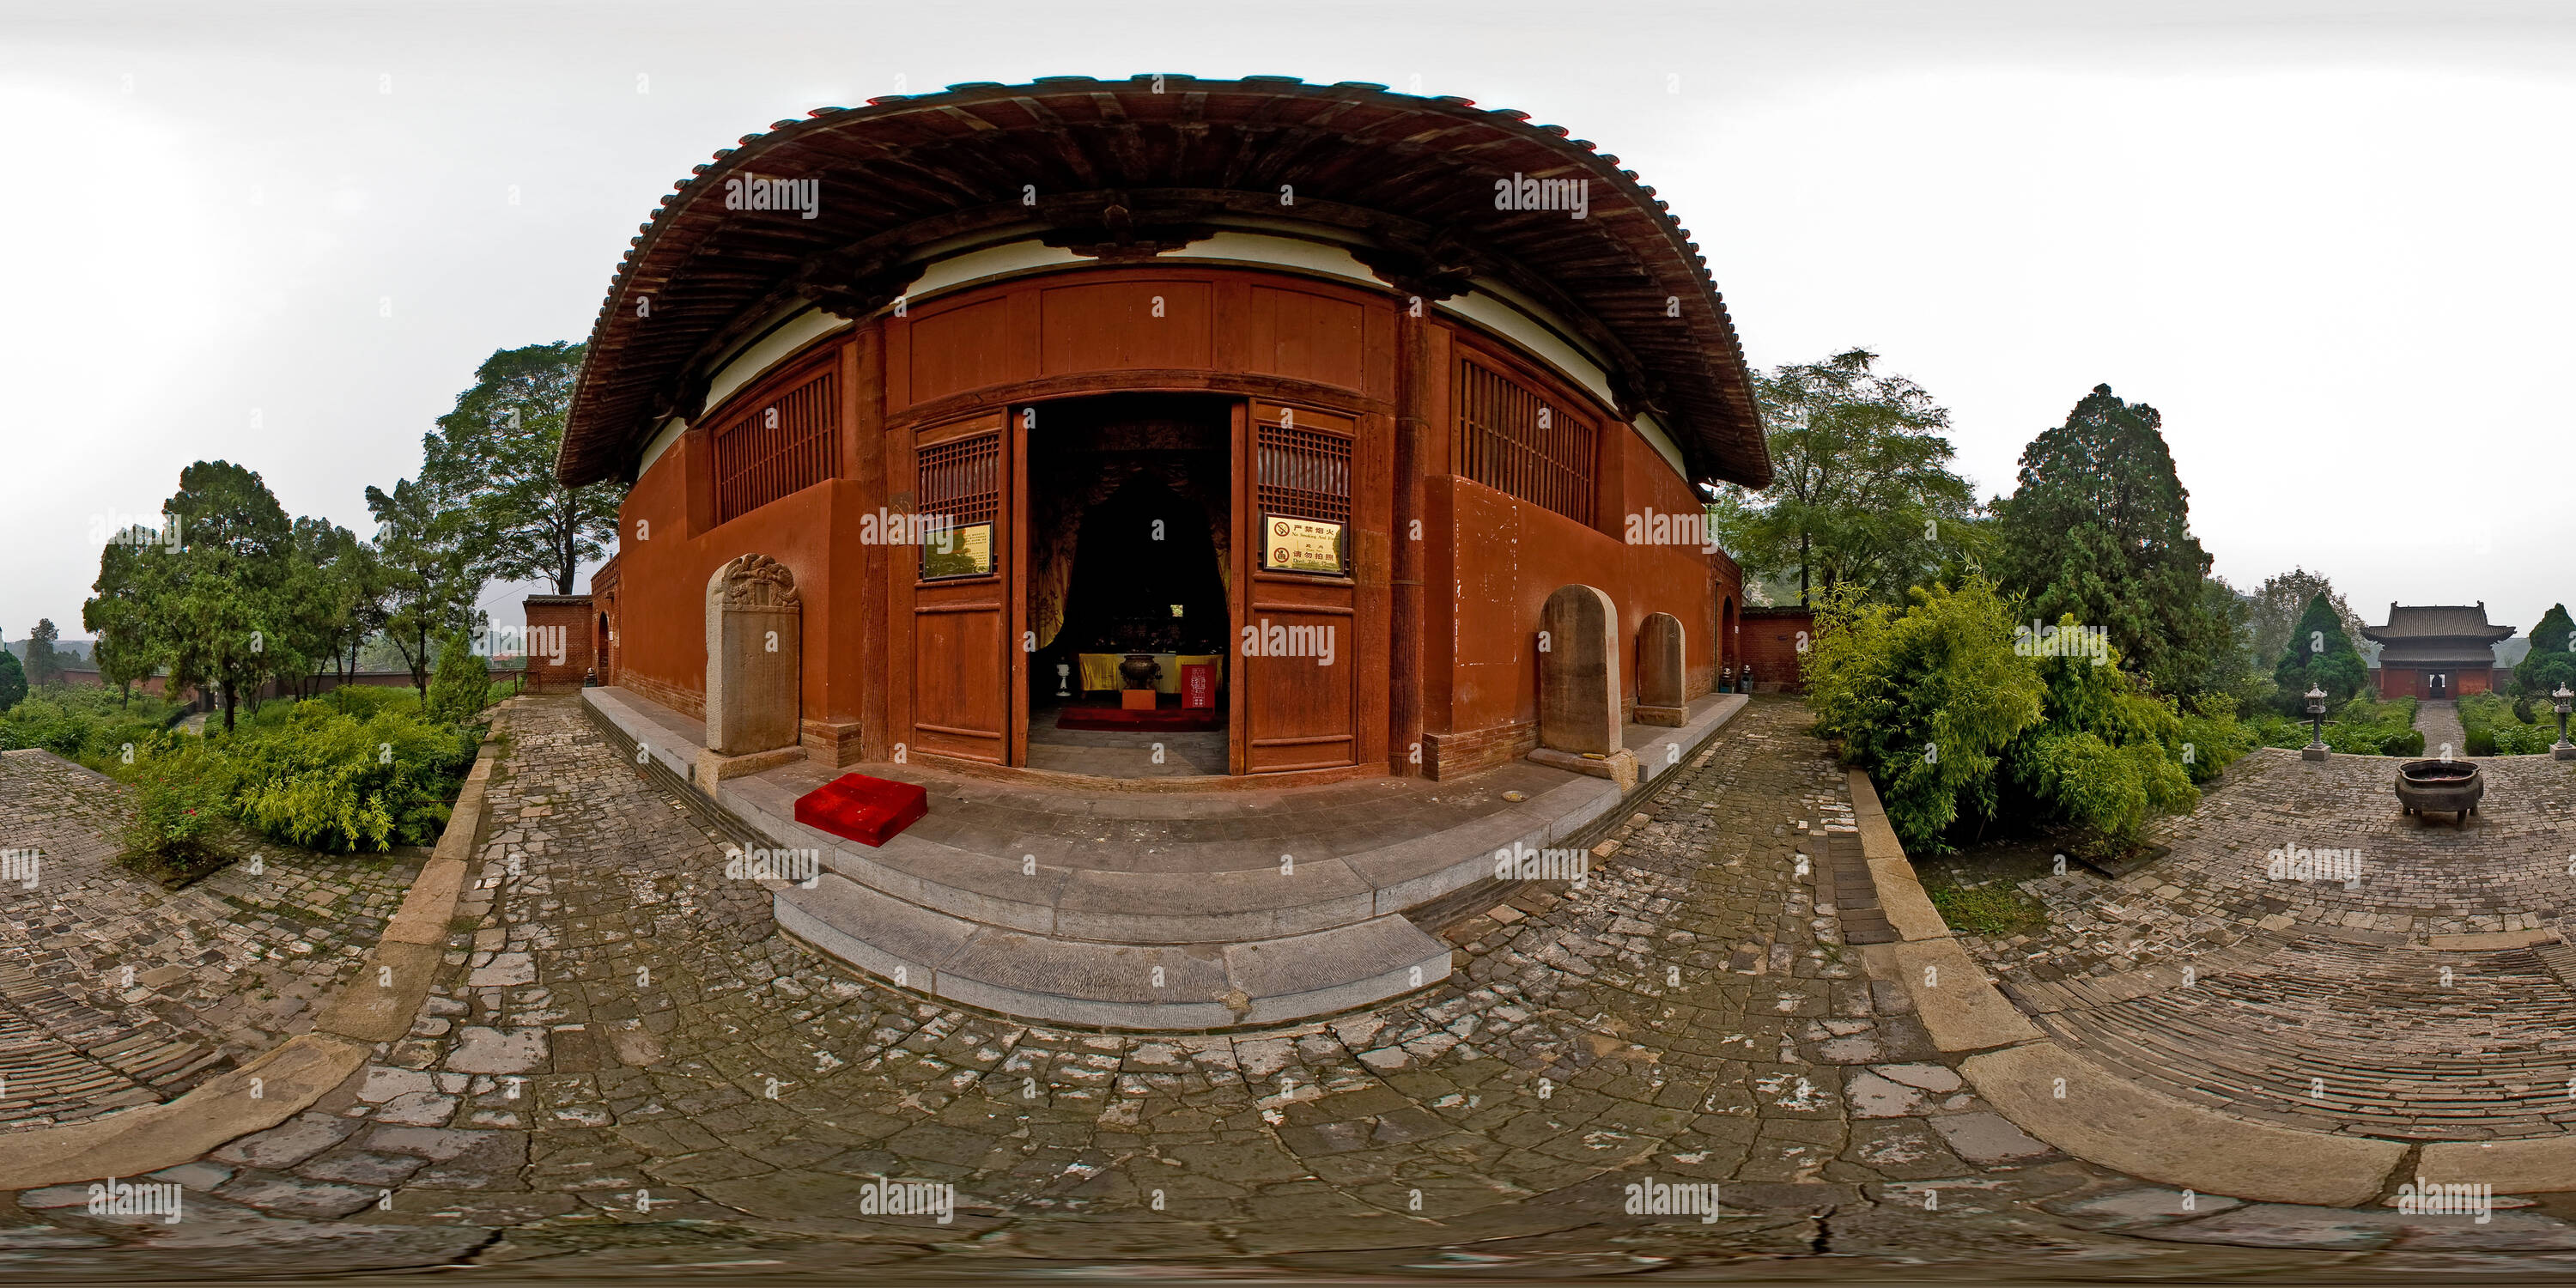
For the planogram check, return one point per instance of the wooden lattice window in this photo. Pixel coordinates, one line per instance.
(1305, 473)
(961, 487)
(779, 446)
(1514, 441)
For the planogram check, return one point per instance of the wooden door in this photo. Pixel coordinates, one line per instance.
(963, 609)
(1297, 646)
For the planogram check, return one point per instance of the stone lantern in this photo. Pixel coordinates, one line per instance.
(2316, 748)
(2563, 700)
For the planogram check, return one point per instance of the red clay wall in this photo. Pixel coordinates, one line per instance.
(663, 574)
(1499, 559)
(547, 614)
(1770, 638)
(2408, 682)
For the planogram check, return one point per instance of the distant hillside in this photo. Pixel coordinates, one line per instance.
(62, 648)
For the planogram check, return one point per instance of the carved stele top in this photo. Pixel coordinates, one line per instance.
(756, 581)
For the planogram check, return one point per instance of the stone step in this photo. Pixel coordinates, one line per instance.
(1042, 884)
(1112, 985)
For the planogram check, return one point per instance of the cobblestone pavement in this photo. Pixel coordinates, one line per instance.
(2321, 1002)
(625, 1067)
(115, 992)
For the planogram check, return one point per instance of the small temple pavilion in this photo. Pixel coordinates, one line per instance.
(2436, 651)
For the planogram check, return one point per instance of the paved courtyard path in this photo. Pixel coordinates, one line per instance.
(2439, 722)
(2353, 969)
(626, 1067)
(115, 992)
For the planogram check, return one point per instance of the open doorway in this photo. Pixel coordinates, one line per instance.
(1130, 521)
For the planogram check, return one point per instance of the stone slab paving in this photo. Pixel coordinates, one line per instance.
(2418, 993)
(116, 992)
(625, 1068)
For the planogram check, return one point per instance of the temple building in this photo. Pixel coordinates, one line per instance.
(1252, 420)
(2436, 651)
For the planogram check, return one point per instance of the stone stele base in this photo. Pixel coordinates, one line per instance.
(1619, 766)
(711, 768)
(1668, 717)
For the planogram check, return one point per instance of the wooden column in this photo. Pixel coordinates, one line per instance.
(1414, 378)
(864, 449)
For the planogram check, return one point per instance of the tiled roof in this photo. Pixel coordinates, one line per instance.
(1409, 178)
(2437, 621)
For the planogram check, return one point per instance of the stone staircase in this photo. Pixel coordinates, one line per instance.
(1151, 911)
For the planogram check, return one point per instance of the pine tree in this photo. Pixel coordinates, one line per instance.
(2319, 656)
(2100, 528)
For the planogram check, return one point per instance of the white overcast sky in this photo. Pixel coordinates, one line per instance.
(2328, 240)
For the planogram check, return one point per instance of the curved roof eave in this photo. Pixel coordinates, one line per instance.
(1126, 165)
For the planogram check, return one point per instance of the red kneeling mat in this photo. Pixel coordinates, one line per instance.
(863, 809)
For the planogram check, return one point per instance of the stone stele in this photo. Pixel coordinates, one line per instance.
(1578, 675)
(1659, 672)
(754, 648)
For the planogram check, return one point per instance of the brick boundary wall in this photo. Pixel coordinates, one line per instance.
(1768, 639)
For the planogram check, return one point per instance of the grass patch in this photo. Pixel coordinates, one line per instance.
(1995, 909)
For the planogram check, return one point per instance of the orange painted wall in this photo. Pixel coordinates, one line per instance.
(662, 643)
(1499, 559)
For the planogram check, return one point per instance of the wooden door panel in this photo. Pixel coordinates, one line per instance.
(1295, 639)
(962, 697)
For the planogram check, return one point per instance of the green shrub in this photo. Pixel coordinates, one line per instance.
(462, 686)
(328, 781)
(2213, 737)
(365, 700)
(2493, 730)
(1925, 699)
(177, 807)
(75, 724)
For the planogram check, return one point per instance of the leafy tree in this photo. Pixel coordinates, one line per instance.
(220, 598)
(339, 600)
(43, 666)
(1861, 489)
(124, 644)
(1924, 698)
(496, 452)
(13, 681)
(2281, 601)
(431, 580)
(2551, 661)
(2320, 656)
(2099, 527)
(2230, 667)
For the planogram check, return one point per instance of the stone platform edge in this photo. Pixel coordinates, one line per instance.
(290, 1077)
(2101, 1117)
(1241, 968)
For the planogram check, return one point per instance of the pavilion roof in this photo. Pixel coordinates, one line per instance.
(1408, 180)
(2437, 622)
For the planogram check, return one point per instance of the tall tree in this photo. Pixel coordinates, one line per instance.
(13, 681)
(43, 666)
(2552, 659)
(2281, 601)
(2319, 656)
(220, 598)
(124, 644)
(2100, 527)
(497, 452)
(1861, 486)
(431, 580)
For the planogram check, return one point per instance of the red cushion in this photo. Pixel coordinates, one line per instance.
(863, 809)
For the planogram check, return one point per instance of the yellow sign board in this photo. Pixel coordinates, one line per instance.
(1300, 545)
(958, 552)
